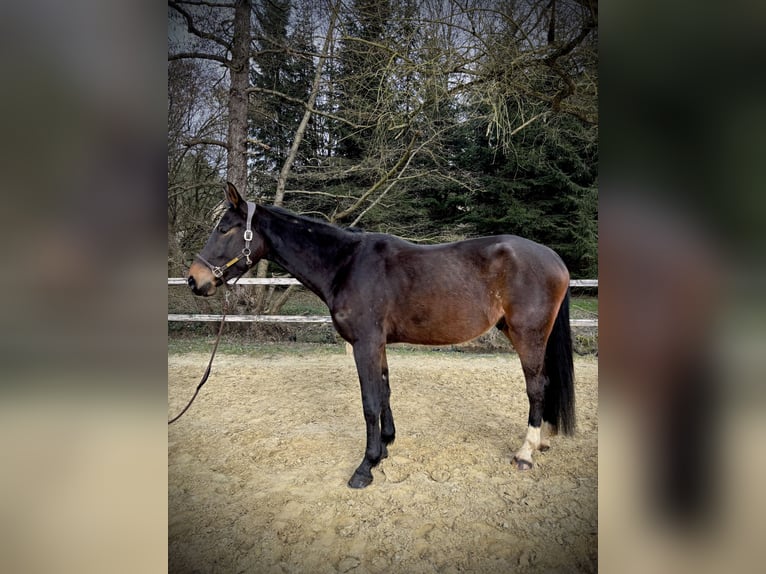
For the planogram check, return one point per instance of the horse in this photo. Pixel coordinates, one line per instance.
(381, 289)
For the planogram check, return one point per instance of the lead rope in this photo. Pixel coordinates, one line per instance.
(218, 272)
(224, 310)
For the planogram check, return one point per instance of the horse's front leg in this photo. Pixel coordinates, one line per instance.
(387, 428)
(369, 360)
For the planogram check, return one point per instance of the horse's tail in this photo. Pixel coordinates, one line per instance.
(559, 393)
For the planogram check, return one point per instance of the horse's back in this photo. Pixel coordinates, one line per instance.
(490, 256)
(483, 261)
(452, 292)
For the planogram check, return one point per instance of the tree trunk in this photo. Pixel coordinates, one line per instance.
(236, 164)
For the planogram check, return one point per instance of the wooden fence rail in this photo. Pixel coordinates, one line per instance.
(316, 318)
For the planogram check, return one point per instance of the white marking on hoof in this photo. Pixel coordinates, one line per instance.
(531, 443)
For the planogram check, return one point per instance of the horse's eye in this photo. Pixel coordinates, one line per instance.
(222, 229)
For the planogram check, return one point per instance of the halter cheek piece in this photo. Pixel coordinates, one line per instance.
(219, 271)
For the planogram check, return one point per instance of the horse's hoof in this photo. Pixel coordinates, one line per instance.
(522, 464)
(359, 481)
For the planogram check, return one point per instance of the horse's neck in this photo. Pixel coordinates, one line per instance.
(313, 254)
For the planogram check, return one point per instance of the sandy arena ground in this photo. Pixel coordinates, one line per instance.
(257, 469)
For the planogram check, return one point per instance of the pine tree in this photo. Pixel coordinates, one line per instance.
(281, 80)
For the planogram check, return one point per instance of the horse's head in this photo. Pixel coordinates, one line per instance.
(233, 247)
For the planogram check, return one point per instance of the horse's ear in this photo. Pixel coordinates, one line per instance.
(233, 196)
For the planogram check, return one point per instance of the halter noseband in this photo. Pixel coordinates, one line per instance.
(219, 271)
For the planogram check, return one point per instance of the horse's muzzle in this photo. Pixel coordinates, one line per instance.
(201, 281)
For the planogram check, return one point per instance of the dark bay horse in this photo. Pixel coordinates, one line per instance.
(381, 289)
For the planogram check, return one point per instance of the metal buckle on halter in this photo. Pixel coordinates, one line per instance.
(218, 272)
(249, 232)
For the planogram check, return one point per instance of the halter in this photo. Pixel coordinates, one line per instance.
(219, 271)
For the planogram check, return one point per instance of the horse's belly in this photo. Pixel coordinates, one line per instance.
(442, 328)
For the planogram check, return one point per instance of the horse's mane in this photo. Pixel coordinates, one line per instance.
(312, 222)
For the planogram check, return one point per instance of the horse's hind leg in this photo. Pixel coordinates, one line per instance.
(534, 440)
(548, 430)
(530, 346)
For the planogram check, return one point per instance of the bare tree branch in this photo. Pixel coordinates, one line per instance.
(591, 6)
(322, 193)
(203, 3)
(531, 120)
(287, 51)
(566, 48)
(192, 28)
(403, 161)
(199, 55)
(261, 144)
(309, 105)
(205, 141)
(306, 106)
(179, 189)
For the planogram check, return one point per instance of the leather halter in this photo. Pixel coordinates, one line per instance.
(219, 271)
